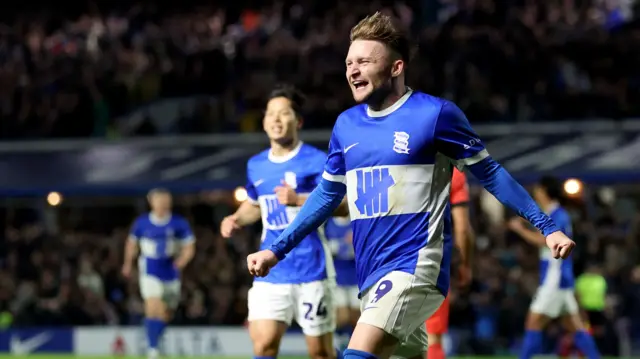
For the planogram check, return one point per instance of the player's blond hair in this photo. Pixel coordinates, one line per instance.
(381, 28)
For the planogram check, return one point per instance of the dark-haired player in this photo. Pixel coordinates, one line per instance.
(555, 297)
(392, 155)
(278, 182)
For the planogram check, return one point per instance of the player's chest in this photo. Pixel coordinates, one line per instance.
(300, 179)
(387, 144)
(159, 234)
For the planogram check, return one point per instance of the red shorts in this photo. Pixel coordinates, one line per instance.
(438, 323)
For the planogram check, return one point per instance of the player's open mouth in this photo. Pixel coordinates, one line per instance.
(359, 84)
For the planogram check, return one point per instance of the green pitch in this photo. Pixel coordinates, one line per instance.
(220, 357)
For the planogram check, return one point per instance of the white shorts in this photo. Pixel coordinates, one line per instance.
(347, 297)
(554, 302)
(310, 304)
(152, 287)
(400, 304)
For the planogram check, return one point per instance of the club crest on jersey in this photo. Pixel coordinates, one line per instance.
(290, 179)
(401, 142)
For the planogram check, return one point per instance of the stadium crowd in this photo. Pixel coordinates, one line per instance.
(501, 61)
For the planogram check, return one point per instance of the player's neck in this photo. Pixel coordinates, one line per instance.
(160, 216)
(550, 206)
(279, 149)
(390, 98)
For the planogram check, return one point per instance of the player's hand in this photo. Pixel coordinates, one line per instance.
(560, 245)
(516, 224)
(229, 225)
(348, 238)
(126, 270)
(260, 263)
(286, 195)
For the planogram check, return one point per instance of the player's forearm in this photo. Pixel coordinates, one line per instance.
(463, 233)
(130, 251)
(508, 191)
(341, 211)
(464, 242)
(318, 207)
(186, 255)
(248, 213)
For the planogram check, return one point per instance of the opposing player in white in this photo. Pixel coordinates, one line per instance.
(393, 156)
(555, 297)
(166, 245)
(278, 182)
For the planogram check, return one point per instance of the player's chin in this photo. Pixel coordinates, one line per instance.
(361, 95)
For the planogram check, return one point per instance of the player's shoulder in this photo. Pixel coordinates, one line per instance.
(560, 216)
(309, 151)
(258, 158)
(177, 219)
(142, 218)
(352, 113)
(428, 102)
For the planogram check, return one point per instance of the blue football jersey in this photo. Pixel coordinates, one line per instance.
(160, 241)
(337, 231)
(397, 166)
(557, 273)
(301, 169)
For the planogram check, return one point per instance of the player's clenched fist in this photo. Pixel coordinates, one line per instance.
(560, 245)
(229, 225)
(286, 195)
(260, 263)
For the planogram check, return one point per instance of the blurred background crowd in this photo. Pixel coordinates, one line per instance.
(74, 72)
(110, 70)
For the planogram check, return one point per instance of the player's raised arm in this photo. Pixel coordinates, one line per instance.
(455, 139)
(188, 243)
(131, 249)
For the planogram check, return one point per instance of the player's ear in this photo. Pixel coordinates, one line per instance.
(397, 67)
(300, 122)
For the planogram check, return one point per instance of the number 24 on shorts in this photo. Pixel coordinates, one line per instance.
(320, 310)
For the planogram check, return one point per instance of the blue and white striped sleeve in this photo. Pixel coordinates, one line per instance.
(456, 139)
(184, 232)
(136, 231)
(252, 192)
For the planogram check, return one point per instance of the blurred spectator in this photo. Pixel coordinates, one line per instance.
(142, 69)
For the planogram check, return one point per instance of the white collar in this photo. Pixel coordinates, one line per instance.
(159, 221)
(389, 110)
(281, 159)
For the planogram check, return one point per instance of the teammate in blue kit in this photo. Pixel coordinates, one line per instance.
(301, 288)
(555, 297)
(393, 156)
(166, 245)
(338, 232)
